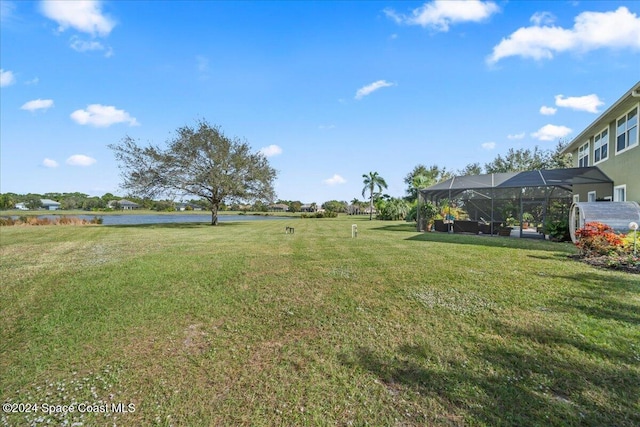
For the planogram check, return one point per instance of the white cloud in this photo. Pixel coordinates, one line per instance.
(102, 116)
(37, 104)
(80, 160)
(271, 150)
(440, 14)
(33, 81)
(488, 145)
(370, 88)
(551, 132)
(335, 180)
(592, 30)
(6, 78)
(547, 111)
(589, 103)
(516, 136)
(84, 45)
(6, 10)
(202, 64)
(80, 45)
(542, 18)
(326, 127)
(48, 163)
(83, 15)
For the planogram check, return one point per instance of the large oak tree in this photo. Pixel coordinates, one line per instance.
(199, 161)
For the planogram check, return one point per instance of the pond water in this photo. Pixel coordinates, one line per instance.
(166, 218)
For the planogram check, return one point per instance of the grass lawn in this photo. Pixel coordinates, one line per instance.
(242, 324)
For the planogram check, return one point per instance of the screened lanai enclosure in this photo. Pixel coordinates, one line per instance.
(490, 203)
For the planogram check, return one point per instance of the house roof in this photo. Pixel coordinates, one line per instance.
(539, 178)
(620, 107)
(49, 202)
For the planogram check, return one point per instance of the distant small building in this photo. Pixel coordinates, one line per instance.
(279, 207)
(187, 207)
(50, 205)
(123, 204)
(369, 210)
(308, 207)
(21, 206)
(354, 210)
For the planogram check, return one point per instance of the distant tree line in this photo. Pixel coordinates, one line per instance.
(81, 201)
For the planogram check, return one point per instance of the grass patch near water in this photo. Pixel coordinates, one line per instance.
(242, 324)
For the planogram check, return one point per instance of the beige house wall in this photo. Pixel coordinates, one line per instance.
(622, 167)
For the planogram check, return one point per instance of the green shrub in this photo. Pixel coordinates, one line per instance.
(6, 220)
(557, 230)
(628, 242)
(325, 214)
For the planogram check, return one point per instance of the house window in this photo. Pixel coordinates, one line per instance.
(627, 131)
(620, 193)
(601, 146)
(583, 155)
(591, 196)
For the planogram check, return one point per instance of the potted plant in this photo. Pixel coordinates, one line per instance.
(505, 231)
(527, 218)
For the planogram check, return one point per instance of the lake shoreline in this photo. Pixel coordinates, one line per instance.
(156, 218)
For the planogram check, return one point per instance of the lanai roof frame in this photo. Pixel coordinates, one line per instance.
(489, 185)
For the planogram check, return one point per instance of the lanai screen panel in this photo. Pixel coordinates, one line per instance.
(542, 178)
(564, 178)
(495, 197)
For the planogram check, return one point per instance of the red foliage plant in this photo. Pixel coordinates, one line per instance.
(596, 238)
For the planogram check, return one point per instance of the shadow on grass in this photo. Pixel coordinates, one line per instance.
(549, 255)
(521, 380)
(407, 228)
(496, 241)
(604, 296)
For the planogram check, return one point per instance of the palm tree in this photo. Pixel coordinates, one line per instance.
(371, 181)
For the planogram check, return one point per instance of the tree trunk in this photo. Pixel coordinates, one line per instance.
(371, 207)
(214, 215)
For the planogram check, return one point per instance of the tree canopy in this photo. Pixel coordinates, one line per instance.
(199, 161)
(422, 177)
(525, 159)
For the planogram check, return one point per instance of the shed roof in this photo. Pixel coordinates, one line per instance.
(49, 202)
(539, 178)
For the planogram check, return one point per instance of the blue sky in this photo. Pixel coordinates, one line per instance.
(328, 90)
